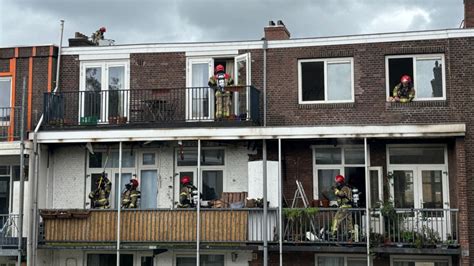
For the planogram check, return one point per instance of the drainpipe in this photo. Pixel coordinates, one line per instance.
(32, 234)
(265, 206)
(265, 47)
(280, 201)
(22, 171)
(198, 223)
(118, 203)
(367, 201)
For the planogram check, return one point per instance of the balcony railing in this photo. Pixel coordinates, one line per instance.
(238, 105)
(400, 228)
(9, 230)
(411, 228)
(156, 226)
(10, 123)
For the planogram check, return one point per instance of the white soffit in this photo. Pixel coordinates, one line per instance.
(114, 135)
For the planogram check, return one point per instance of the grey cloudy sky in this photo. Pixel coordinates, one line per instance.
(27, 22)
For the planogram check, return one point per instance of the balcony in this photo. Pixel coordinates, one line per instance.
(10, 123)
(155, 226)
(9, 232)
(401, 231)
(170, 107)
(397, 228)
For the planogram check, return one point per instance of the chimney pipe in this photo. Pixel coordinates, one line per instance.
(277, 32)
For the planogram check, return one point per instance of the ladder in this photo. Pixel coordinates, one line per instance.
(301, 195)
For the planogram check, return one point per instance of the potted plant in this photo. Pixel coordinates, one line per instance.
(112, 120)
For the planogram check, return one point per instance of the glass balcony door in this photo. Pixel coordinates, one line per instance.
(199, 97)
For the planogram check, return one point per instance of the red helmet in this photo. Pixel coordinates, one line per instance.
(405, 78)
(102, 29)
(134, 182)
(219, 68)
(339, 179)
(185, 180)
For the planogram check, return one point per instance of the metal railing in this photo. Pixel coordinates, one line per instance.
(10, 123)
(9, 230)
(399, 228)
(158, 106)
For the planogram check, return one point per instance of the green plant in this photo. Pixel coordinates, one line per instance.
(430, 236)
(387, 209)
(292, 213)
(311, 211)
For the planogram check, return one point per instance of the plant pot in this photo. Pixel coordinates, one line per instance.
(122, 120)
(315, 203)
(112, 120)
(325, 203)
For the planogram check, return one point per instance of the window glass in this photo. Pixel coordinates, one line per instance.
(331, 261)
(4, 170)
(108, 259)
(432, 189)
(93, 79)
(16, 173)
(118, 190)
(206, 260)
(149, 158)
(148, 189)
(212, 185)
(355, 178)
(188, 158)
(354, 156)
(95, 160)
(429, 79)
(5, 92)
(146, 261)
(208, 157)
(339, 81)
(374, 188)
(128, 159)
(312, 80)
(398, 67)
(328, 156)
(403, 189)
(325, 182)
(116, 97)
(356, 261)
(417, 155)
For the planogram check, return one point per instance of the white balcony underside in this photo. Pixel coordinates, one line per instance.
(212, 133)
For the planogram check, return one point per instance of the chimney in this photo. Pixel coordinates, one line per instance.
(279, 31)
(468, 13)
(80, 40)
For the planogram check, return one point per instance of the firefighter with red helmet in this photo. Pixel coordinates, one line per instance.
(404, 91)
(344, 200)
(98, 35)
(188, 195)
(100, 196)
(131, 195)
(218, 82)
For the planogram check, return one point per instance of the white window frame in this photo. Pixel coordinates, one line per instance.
(415, 57)
(193, 168)
(193, 255)
(417, 186)
(326, 62)
(346, 257)
(340, 166)
(421, 258)
(104, 65)
(7, 123)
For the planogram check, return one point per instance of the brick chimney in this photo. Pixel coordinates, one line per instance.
(279, 31)
(468, 13)
(80, 40)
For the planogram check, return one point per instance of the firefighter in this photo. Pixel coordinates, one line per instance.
(404, 91)
(131, 195)
(344, 201)
(100, 196)
(188, 195)
(98, 35)
(218, 82)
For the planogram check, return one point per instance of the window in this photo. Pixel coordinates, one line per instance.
(416, 155)
(108, 259)
(420, 261)
(5, 98)
(325, 80)
(212, 185)
(206, 260)
(208, 157)
(337, 260)
(426, 71)
(104, 96)
(148, 158)
(98, 159)
(331, 161)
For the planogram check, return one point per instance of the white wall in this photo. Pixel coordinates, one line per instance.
(67, 164)
(77, 257)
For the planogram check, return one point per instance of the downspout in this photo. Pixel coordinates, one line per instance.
(280, 203)
(367, 201)
(265, 206)
(22, 172)
(118, 203)
(265, 47)
(198, 223)
(32, 234)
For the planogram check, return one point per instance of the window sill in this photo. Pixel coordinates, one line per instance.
(433, 103)
(326, 105)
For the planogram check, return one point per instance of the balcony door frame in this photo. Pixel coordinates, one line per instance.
(190, 91)
(104, 101)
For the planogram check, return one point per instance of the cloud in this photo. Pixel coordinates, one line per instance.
(148, 21)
